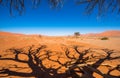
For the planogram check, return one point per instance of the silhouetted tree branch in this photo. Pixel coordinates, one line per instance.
(103, 6)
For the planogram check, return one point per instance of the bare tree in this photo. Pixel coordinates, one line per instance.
(76, 34)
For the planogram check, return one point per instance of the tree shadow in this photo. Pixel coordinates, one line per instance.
(78, 65)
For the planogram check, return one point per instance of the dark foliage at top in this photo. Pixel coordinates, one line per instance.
(103, 6)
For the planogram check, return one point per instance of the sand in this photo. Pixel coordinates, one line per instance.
(57, 46)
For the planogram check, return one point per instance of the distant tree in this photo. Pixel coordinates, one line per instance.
(103, 6)
(76, 34)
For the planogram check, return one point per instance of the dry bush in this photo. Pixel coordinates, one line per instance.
(104, 38)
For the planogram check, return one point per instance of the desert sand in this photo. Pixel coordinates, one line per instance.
(59, 56)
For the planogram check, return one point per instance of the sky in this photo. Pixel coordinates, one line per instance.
(55, 22)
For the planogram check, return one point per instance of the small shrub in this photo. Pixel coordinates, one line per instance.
(104, 38)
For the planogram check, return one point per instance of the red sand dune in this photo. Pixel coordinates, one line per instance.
(10, 34)
(111, 33)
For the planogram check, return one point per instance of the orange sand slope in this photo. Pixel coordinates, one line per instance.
(59, 57)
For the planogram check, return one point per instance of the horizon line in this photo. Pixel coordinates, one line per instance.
(54, 35)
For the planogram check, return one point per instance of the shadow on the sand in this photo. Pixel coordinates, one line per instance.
(76, 67)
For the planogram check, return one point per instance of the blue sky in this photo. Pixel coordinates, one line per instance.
(65, 21)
